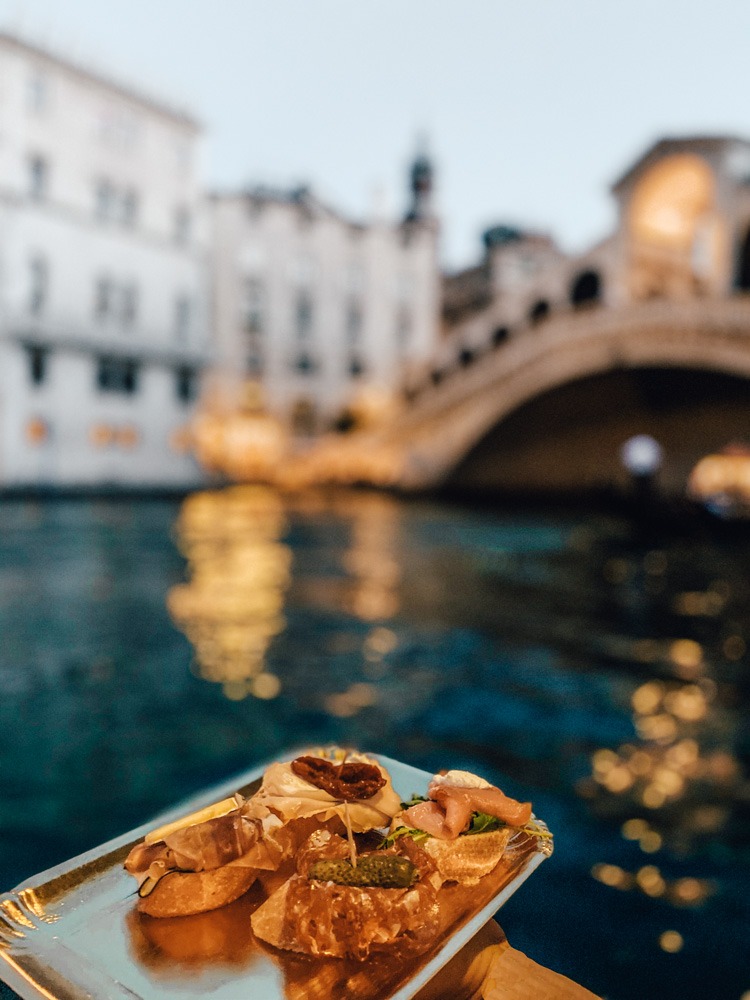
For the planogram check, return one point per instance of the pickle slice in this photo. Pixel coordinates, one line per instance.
(382, 871)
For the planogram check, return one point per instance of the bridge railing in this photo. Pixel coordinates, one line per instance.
(732, 311)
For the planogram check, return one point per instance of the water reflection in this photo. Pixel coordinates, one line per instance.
(678, 783)
(372, 560)
(239, 572)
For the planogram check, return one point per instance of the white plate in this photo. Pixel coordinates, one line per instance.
(72, 933)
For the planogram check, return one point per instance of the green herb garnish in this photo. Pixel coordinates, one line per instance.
(404, 831)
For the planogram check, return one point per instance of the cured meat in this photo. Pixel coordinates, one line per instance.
(458, 802)
(429, 816)
(198, 848)
(448, 811)
(213, 844)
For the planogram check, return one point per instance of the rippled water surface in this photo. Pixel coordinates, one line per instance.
(151, 648)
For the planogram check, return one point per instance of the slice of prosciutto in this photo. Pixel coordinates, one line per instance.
(202, 847)
(447, 812)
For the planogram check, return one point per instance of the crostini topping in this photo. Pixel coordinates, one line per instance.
(382, 871)
(348, 782)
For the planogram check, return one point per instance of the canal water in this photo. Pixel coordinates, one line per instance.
(150, 648)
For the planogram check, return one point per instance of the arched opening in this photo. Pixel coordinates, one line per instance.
(466, 357)
(742, 274)
(499, 335)
(586, 289)
(539, 312)
(567, 440)
(304, 418)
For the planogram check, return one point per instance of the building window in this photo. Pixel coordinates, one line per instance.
(403, 328)
(38, 364)
(356, 367)
(254, 361)
(539, 312)
(182, 317)
(186, 384)
(38, 177)
(253, 302)
(303, 315)
(353, 323)
(305, 364)
(182, 224)
(304, 417)
(37, 91)
(128, 305)
(129, 208)
(499, 335)
(38, 285)
(103, 299)
(105, 197)
(117, 375)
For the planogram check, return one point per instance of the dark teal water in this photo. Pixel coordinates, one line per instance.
(598, 669)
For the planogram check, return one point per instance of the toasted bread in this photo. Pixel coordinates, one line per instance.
(468, 858)
(179, 894)
(323, 919)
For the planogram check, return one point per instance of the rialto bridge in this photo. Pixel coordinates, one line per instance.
(549, 406)
(550, 361)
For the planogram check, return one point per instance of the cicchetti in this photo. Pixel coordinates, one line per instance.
(350, 868)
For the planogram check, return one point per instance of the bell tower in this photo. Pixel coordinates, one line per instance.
(420, 183)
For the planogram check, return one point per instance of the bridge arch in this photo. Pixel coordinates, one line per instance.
(437, 433)
(585, 289)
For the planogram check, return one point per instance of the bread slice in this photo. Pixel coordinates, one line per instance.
(179, 894)
(468, 858)
(268, 921)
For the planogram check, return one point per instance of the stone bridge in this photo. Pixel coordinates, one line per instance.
(441, 425)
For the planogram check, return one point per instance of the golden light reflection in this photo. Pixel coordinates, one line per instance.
(233, 435)
(240, 441)
(348, 703)
(667, 771)
(671, 941)
(372, 562)
(239, 571)
(648, 879)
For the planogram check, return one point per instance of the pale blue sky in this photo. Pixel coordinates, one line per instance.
(532, 107)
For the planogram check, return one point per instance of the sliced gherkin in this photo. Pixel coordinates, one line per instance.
(380, 870)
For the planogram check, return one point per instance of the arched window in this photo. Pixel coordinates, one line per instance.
(585, 289)
(466, 357)
(742, 276)
(304, 417)
(499, 336)
(539, 312)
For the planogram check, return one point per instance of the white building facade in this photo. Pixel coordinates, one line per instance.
(103, 279)
(322, 311)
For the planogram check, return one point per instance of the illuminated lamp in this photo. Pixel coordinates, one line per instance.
(128, 437)
(671, 201)
(245, 444)
(37, 431)
(101, 435)
(180, 440)
(722, 477)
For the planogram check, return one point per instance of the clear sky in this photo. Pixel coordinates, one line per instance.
(531, 108)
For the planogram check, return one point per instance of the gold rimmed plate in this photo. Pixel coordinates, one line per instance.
(73, 933)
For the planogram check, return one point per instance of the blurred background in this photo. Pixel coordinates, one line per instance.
(378, 374)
